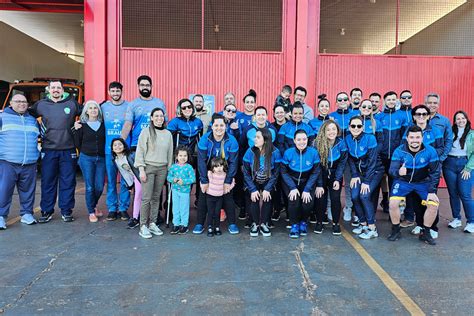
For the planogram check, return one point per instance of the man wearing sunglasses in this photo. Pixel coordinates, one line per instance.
(342, 116)
(415, 168)
(405, 103)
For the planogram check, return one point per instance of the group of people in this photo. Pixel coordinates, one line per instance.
(299, 163)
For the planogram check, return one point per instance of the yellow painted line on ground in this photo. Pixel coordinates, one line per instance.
(17, 219)
(386, 279)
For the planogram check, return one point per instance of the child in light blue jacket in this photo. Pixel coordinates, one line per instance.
(181, 176)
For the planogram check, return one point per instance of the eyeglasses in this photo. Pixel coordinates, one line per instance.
(356, 125)
(21, 102)
(342, 99)
(231, 111)
(407, 97)
(418, 114)
(366, 107)
(187, 107)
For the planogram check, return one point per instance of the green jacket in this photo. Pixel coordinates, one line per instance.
(470, 151)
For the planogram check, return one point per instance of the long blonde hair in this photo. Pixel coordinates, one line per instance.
(322, 143)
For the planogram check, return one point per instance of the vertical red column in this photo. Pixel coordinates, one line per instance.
(307, 46)
(113, 40)
(289, 41)
(95, 62)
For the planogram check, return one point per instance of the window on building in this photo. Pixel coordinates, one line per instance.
(246, 25)
(425, 27)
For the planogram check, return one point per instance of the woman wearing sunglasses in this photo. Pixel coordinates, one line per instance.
(186, 128)
(233, 126)
(366, 174)
(457, 169)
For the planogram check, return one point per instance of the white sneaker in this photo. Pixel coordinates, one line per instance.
(369, 234)
(155, 230)
(144, 232)
(469, 228)
(455, 223)
(416, 230)
(434, 234)
(360, 229)
(347, 214)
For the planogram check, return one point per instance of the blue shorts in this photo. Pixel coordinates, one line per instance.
(400, 189)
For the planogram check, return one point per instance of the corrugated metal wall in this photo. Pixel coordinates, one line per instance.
(178, 73)
(451, 77)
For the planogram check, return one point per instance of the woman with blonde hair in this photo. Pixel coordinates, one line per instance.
(89, 138)
(333, 155)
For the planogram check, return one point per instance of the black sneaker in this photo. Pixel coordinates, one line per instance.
(426, 237)
(336, 229)
(254, 230)
(183, 230)
(217, 231)
(242, 215)
(67, 218)
(355, 221)
(210, 232)
(248, 223)
(132, 223)
(276, 216)
(124, 216)
(319, 228)
(175, 230)
(270, 224)
(112, 216)
(312, 218)
(325, 219)
(45, 217)
(395, 234)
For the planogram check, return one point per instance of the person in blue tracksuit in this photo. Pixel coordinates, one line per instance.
(431, 136)
(394, 124)
(333, 155)
(300, 170)
(245, 118)
(217, 143)
(342, 116)
(415, 168)
(406, 104)
(372, 124)
(18, 157)
(356, 99)
(366, 174)
(186, 127)
(248, 134)
(323, 114)
(261, 168)
(441, 122)
(285, 139)
(232, 125)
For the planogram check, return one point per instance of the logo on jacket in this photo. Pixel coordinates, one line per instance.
(67, 110)
(422, 160)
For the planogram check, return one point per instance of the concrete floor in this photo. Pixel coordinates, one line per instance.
(82, 268)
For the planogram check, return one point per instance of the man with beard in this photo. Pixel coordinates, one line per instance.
(201, 112)
(405, 104)
(299, 96)
(375, 98)
(58, 112)
(114, 112)
(415, 168)
(356, 98)
(138, 113)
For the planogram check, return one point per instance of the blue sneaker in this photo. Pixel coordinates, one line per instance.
(233, 229)
(295, 231)
(28, 219)
(3, 224)
(303, 229)
(198, 229)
